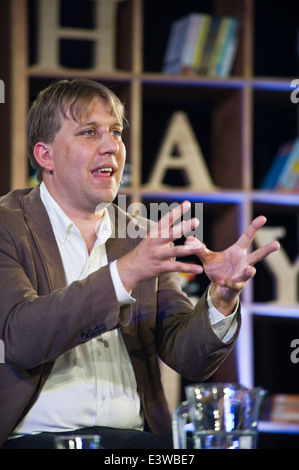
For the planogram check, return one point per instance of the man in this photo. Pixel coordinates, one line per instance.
(86, 311)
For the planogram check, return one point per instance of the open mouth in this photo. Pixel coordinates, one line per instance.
(104, 172)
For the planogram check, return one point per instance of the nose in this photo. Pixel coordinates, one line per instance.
(108, 144)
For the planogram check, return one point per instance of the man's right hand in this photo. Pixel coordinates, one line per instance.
(156, 253)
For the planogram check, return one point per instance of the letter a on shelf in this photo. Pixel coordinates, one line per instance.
(190, 159)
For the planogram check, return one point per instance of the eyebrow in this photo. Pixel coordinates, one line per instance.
(97, 124)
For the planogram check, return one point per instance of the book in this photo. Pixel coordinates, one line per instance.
(204, 26)
(181, 43)
(204, 65)
(229, 48)
(219, 41)
(270, 180)
(284, 408)
(288, 180)
(202, 44)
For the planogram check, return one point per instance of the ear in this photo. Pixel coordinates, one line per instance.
(42, 155)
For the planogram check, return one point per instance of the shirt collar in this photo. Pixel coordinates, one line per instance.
(63, 226)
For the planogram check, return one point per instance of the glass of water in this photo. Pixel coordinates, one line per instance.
(77, 441)
(219, 416)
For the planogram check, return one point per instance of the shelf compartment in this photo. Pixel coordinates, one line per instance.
(215, 115)
(273, 367)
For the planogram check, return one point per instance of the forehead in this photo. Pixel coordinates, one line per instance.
(97, 111)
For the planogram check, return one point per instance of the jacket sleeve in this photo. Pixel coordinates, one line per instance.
(185, 338)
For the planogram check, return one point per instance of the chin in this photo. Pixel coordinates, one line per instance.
(105, 197)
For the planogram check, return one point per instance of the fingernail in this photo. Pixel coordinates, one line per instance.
(186, 204)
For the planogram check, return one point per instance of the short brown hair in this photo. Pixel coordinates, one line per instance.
(62, 97)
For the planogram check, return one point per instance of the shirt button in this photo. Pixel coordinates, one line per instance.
(99, 353)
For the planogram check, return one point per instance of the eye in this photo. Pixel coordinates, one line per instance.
(117, 134)
(88, 132)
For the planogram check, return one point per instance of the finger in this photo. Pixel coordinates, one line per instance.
(172, 216)
(178, 251)
(201, 250)
(174, 233)
(262, 252)
(182, 228)
(238, 281)
(178, 266)
(249, 234)
(193, 241)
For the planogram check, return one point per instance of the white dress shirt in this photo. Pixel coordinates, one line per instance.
(94, 383)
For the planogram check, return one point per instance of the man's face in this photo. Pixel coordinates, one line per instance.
(88, 160)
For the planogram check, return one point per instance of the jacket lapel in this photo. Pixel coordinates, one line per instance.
(40, 226)
(119, 243)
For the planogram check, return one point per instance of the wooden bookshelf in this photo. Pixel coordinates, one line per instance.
(235, 145)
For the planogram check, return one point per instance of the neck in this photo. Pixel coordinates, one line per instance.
(87, 222)
(88, 227)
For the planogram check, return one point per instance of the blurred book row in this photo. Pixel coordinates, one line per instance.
(282, 408)
(202, 44)
(283, 173)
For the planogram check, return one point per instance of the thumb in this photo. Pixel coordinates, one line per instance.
(195, 243)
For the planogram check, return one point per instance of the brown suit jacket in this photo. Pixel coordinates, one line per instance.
(41, 318)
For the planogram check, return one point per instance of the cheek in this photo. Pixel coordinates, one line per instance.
(71, 158)
(122, 154)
